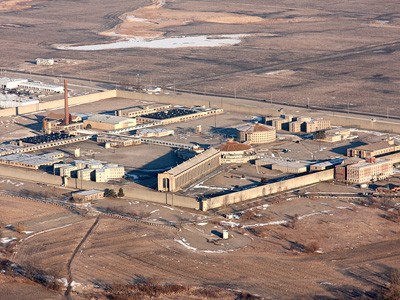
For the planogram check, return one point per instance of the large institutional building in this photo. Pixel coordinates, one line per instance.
(90, 170)
(298, 124)
(256, 133)
(374, 149)
(189, 171)
(371, 169)
(176, 115)
(137, 111)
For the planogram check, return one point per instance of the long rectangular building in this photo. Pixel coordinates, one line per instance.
(189, 171)
(372, 169)
(137, 111)
(374, 149)
(177, 115)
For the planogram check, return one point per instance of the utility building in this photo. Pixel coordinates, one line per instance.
(107, 122)
(189, 171)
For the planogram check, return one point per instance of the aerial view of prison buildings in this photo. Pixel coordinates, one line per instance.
(150, 123)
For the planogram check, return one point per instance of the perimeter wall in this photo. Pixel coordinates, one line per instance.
(57, 103)
(267, 189)
(228, 104)
(139, 193)
(254, 108)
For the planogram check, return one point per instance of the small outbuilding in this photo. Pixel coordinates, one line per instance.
(88, 195)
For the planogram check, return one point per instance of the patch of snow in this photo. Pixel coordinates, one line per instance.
(170, 208)
(230, 224)
(164, 43)
(185, 244)
(202, 224)
(266, 224)
(63, 281)
(136, 19)
(214, 251)
(6, 240)
(314, 213)
(27, 232)
(133, 176)
(152, 212)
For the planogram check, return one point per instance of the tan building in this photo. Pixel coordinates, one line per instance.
(154, 132)
(317, 125)
(278, 123)
(108, 172)
(336, 135)
(371, 170)
(57, 125)
(118, 140)
(90, 170)
(234, 152)
(31, 161)
(137, 111)
(373, 149)
(178, 115)
(283, 165)
(295, 126)
(256, 133)
(189, 171)
(90, 195)
(87, 174)
(65, 170)
(107, 122)
(356, 170)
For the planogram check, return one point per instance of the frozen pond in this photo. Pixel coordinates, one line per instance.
(165, 43)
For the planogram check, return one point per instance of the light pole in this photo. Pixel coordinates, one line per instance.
(387, 112)
(221, 96)
(348, 107)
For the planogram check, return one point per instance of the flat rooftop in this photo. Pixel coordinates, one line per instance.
(171, 113)
(365, 164)
(375, 146)
(255, 127)
(192, 162)
(285, 163)
(108, 119)
(88, 192)
(30, 159)
(144, 107)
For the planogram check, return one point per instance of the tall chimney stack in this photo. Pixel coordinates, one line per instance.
(66, 111)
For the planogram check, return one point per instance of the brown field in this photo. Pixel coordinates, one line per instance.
(12, 5)
(335, 54)
(357, 248)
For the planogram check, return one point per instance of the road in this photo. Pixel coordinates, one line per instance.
(93, 84)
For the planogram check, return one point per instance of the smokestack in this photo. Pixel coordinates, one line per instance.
(66, 111)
